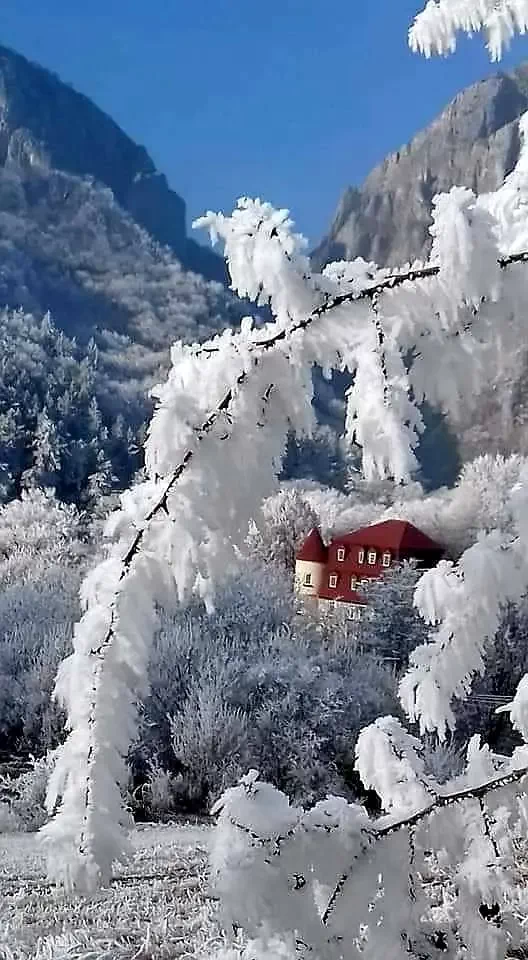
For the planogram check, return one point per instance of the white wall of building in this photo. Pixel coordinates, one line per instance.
(308, 578)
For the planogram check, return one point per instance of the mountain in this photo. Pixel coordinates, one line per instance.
(44, 123)
(474, 143)
(91, 232)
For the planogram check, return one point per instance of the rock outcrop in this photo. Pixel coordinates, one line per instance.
(44, 123)
(474, 143)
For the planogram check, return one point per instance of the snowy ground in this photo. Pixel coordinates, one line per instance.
(141, 916)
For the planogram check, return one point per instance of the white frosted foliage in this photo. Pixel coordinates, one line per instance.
(465, 601)
(438, 331)
(435, 29)
(465, 247)
(341, 884)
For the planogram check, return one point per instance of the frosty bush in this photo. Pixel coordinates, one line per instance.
(210, 741)
(25, 807)
(156, 796)
(42, 558)
(256, 683)
(479, 501)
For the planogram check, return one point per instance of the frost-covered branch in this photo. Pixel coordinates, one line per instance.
(435, 29)
(87, 818)
(335, 879)
(439, 802)
(216, 442)
(463, 602)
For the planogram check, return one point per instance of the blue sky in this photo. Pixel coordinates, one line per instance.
(290, 100)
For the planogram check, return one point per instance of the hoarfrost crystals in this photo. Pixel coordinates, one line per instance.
(435, 29)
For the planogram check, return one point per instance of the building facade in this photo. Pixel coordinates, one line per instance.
(336, 573)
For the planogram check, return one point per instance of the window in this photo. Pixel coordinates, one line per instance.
(386, 560)
(371, 557)
(353, 583)
(332, 580)
(365, 583)
(356, 613)
(340, 553)
(361, 555)
(307, 579)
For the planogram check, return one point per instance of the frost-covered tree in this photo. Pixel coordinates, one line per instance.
(392, 627)
(285, 521)
(52, 431)
(44, 552)
(441, 869)
(479, 501)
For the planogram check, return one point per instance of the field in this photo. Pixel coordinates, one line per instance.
(159, 906)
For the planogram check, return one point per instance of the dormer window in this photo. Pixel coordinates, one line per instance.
(372, 557)
(386, 560)
(361, 555)
(332, 580)
(353, 583)
(340, 554)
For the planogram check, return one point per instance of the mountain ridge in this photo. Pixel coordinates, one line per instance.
(473, 142)
(47, 123)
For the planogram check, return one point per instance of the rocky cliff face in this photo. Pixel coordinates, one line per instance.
(474, 143)
(46, 124)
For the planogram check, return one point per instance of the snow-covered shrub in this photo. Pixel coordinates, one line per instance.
(36, 531)
(479, 501)
(210, 740)
(256, 683)
(42, 560)
(336, 512)
(443, 761)
(25, 808)
(9, 823)
(156, 798)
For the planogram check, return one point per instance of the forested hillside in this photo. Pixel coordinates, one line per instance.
(99, 299)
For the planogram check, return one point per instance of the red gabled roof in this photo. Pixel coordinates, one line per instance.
(390, 534)
(313, 548)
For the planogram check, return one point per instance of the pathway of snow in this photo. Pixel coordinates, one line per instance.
(139, 917)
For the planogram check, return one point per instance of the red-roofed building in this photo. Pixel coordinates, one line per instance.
(336, 573)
